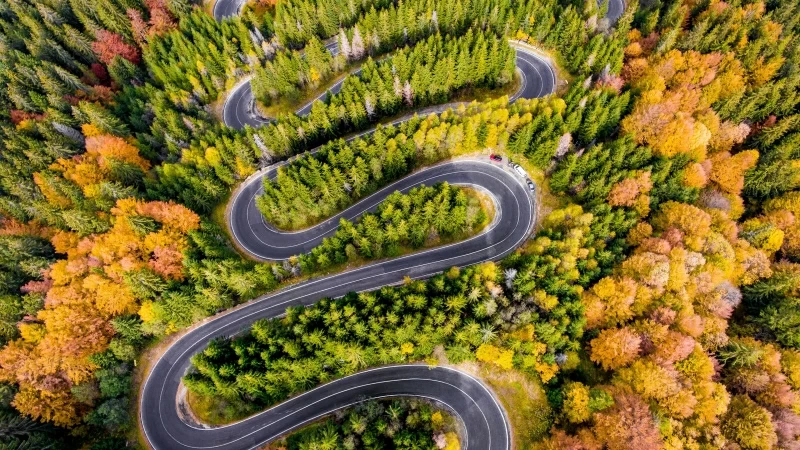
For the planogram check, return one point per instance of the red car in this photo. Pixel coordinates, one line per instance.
(495, 157)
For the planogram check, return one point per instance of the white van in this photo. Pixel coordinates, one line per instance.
(520, 170)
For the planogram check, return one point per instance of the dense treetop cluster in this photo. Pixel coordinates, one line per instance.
(656, 303)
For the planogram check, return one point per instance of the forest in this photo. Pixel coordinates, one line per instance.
(389, 424)
(425, 217)
(655, 303)
(313, 188)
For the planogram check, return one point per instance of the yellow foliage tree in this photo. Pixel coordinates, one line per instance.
(576, 402)
(728, 171)
(97, 163)
(87, 291)
(495, 355)
(615, 347)
(608, 303)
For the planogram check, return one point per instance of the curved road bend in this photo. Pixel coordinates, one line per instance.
(239, 107)
(537, 80)
(227, 8)
(465, 396)
(261, 240)
(615, 10)
(538, 77)
(468, 398)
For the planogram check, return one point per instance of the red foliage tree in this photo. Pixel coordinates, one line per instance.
(18, 116)
(100, 72)
(138, 25)
(627, 425)
(161, 19)
(110, 45)
(560, 440)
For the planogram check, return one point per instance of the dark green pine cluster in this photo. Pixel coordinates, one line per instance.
(424, 216)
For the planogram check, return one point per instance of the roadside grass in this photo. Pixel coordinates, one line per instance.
(217, 107)
(218, 214)
(547, 201)
(563, 78)
(522, 397)
(482, 94)
(287, 105)
(479, 200)
(217, 410)
(258, 8)
(208, 6)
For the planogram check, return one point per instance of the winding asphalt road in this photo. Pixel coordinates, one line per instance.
(538, 77)
(260, 239)
(615, 10)
(466, 397)
(537, 80)
(227, 8)
(239, 107)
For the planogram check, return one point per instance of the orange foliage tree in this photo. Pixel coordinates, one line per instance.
(673, 113)
(88, 290)
(728, 171)
(615, 347)
(110, 45)
(627, 425)
(661, 312)
(161, 20)
(95, 166)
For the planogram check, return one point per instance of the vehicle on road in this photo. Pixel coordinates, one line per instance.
(520, 170)
(481, 412)
(161, 419)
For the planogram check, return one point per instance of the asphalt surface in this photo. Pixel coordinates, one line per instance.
(537, 80)
(484, 420)
(227, 8)
(465, 396)
(615, 10)
(537, 76)
(468, 398)
(260, 239)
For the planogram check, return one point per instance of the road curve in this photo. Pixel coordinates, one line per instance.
(239, 108)
(227, 8)
(261, 240)
(468, 398)
(463, 395)
(537, 80)
(538, 76)
(615, 10)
